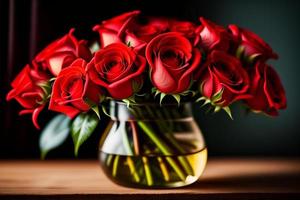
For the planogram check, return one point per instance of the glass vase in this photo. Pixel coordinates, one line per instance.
(152, 146)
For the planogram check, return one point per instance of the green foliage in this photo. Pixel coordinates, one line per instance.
(227, 110)
(162, 96)
(94, 106)
(46, 87)
(177, 97)
(95, 47)
(217, 96)
(215, 103)
(130, 101)
(105, 111)
(240, 52)
(82, 128)
(54, 134)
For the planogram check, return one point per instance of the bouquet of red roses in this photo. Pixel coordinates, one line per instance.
(141, 60)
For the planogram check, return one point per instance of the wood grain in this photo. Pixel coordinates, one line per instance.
(222, 179)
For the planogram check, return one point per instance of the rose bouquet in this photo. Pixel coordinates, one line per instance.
(136, 72)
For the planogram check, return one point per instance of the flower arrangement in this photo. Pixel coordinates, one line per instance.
(142, 59)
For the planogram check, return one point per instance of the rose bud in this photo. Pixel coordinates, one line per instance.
(172, 61)
(31, 90)
(222, 79)
(112, 30)
(213, 36)
(118, 69)
(72, 91)
(251, 45)
(62, 52)
(266, 89)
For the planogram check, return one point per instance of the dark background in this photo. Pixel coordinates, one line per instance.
(27, 26)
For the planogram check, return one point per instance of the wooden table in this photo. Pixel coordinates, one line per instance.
(223, 179)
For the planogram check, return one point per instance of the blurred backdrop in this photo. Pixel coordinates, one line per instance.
(27, 26)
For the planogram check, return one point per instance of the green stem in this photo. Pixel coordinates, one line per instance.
(176, 168)
(185, 163)
(160, 144)
(168, 129)
(109, 159)
(128, 150)
(115, 165)
(147, 171)
(163, 169)
(163, 148)
(132, 169)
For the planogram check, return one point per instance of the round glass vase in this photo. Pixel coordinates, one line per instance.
(152, 146)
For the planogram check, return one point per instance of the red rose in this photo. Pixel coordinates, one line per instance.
(112, 30)
(223, 73)
(140, 33)
(252, 44)
(129, 29)
(172, 60)
(72, 88)
(62, 52)
(213, 36)
(28, 92)
(266, 89)
(119, 69)
(186, 28)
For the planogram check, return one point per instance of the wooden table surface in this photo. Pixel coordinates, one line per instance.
(223, 179)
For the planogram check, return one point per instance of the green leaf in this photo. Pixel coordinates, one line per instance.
(46, 87)
(94, 47)
(95, 108)
(127, 102)
(54, 134)
(201, 87)
(162, 96)
(201, 99)
(177, 98)
(207, 101)
(227, 110)
(251, 59)
(188, 92)
(82, 128)
(217, 109)
(156, 93)
(105, 111)
(240, 52)
(102, 98)
(217, 96)
(153, 90)
(132, 99)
